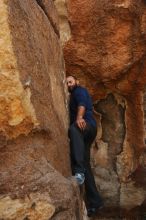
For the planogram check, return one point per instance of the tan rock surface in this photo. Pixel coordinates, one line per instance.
(21, 209)
(50, 11)
(32, 73)
(45, 195)
(65, 33)
(33, 116)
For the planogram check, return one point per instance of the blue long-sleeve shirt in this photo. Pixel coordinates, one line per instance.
(80, 97)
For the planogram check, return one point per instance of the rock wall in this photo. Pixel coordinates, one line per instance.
(105, 47)
(34, 151)
(107, 52)
(65, 32)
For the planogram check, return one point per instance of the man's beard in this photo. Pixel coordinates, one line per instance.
(70, 89)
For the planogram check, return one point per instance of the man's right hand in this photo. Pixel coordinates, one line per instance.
(81, 123)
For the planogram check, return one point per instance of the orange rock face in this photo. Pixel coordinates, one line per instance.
(107, 52)
(32, 78)
(33, 115)
(108, 39)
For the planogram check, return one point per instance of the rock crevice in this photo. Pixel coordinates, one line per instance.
(53, 20)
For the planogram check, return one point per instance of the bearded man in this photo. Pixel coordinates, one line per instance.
(82, 133)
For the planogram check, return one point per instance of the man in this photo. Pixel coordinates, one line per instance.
(82, 133)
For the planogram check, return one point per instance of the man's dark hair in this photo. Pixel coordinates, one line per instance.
(73, 77)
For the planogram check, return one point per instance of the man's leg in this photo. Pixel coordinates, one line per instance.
(93, 198)
(77, 148)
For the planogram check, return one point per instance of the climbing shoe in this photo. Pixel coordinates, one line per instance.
(80, 178)
(91, 212)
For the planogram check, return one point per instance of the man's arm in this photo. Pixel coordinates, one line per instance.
(81, 123)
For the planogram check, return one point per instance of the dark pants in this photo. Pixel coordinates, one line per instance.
(80, 143)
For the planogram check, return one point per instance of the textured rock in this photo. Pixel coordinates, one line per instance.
(45, 195)
(51, 12)
(106, 41)
(33, 116)
(128, 194)
(17, 112)
(21, 209)
(65, 33)
(107, 52)
(32, 72)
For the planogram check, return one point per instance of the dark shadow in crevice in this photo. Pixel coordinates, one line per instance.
(113, 125)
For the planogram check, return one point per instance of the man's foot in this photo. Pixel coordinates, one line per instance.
(94, 210)
(80, 178)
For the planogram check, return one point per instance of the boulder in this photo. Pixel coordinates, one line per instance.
(34, 148)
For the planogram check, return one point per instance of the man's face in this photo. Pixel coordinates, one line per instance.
(71, 83)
